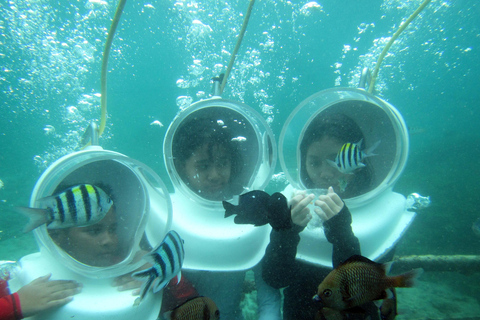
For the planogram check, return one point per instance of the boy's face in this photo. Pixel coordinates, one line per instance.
(208, 171)
(95, 245)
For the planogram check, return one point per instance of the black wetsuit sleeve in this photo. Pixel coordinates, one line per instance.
(339, 233)
(279, 266)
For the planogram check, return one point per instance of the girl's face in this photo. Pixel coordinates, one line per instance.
(208, 171)
(322, 173)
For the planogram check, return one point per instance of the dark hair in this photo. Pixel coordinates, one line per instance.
(342, 128)
(197, 132)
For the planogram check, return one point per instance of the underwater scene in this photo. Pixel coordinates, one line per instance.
(163, 57)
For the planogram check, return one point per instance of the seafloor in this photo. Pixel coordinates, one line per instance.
(437, 295)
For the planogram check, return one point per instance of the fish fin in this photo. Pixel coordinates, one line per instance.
(359, 143)
(167, 315)
(407, 279)
(369, 151)
(387, 266)
(390, 294)
(45, 201)
(229, 209)
(351, 298)
(383, 295)
(160, 285)
(179, 277)
(150, 257)
(37, 217)
(356, 310)
(359, 258)
(333, 164)
(146, 285)
(144, 273)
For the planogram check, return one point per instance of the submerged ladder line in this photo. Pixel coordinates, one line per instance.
(103, 77)
(371, 85)
(237, 46)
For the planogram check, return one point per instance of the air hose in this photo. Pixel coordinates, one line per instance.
(373, 78)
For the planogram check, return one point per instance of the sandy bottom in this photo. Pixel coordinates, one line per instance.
(437, 295)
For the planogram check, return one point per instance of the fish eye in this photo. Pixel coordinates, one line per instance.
(327, 292)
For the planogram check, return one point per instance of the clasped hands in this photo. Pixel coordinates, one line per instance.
(326, 206)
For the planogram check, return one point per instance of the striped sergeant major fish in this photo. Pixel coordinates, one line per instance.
(78, 206)
(351, 156)
(166, 260)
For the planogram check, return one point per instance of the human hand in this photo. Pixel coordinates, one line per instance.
(300, 212)
(127, 282)
(42, 294)
(328, 205)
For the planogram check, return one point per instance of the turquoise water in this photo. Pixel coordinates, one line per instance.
(165, 53)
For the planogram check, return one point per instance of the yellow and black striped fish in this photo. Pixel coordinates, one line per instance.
(167, 260)
(351, 156)
(78, 206)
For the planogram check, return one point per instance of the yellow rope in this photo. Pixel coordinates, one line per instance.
(389, 44)
(103, 77)
(237, 46)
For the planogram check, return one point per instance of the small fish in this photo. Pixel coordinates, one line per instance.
(166, 260)
(359, 280)
(350, 157)
(259, 208)
(476, 227)
(199, 308)
(78, 206)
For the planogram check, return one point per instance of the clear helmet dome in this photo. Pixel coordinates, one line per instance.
(321, 124)
(135, 190)
(216, 149)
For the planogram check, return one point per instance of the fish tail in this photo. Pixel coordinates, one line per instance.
(228, 209)
(146, 285)
(332, 163)
(405, 280)
(37, 217)
(168, 315)
(160, 285)
(369, 151)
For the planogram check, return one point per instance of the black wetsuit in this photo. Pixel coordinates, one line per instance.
(280, 269)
